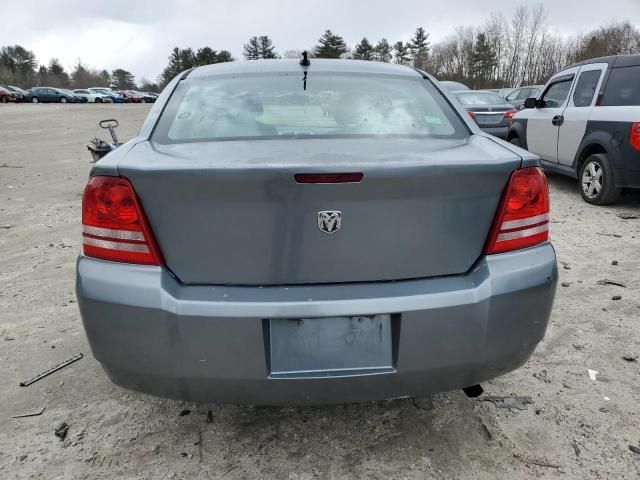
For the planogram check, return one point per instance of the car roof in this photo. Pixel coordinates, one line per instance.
(612, 61)
(293, 66)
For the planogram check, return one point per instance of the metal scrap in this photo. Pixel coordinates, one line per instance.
(519, 403)
(606, 281)
(49, 371)
(31, 414)
(61, 431)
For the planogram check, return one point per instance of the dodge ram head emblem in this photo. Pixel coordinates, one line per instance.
(329, 221)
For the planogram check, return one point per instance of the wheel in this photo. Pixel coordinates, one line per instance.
(98, 100)
(5, 100)
(34, 100)
(516, 141)
(143, 101)
(597, 182)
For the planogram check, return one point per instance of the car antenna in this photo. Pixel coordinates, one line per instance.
(305, 63)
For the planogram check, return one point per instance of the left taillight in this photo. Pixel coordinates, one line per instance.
(509, 114)
(634, 137)
(522, 219)
(113, 223)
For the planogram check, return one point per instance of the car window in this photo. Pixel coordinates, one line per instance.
(557, 94)
(480, 98)
(586, 88)
(524, 93)
(514, 95)
(534, 92)
(332, 105)
(623, 87)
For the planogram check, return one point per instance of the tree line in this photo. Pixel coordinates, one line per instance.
(502, 52)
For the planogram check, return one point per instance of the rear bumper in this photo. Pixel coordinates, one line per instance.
(627, 178)
(209, 343)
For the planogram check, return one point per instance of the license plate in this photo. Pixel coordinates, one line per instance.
(488, 119)
(330, 346)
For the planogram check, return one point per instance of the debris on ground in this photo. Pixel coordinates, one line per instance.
(22, 457)
(628, 216)
(31, 414)
(534, 461)
(576, 448)
(209, 416)
(566, 284)
(519, 403)
(5, 165)
(579, 346)
(185, 412)
(616, 297)
(596, 375)
(606, 281)
(61, 430)
(49, 371)
(423, 403)
(634, 449)
(614, 262)
(630, 357)
(615, 235)
(6, 227)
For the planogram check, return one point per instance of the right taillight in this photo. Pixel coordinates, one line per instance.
(113, 223)
(634, 137)
(522, 219)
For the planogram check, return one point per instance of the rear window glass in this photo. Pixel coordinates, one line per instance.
(623, 87)
(332, 105)
(480, 98)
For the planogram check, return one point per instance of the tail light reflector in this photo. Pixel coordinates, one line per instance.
(113, 223)
(522, 219)
(634, 137)
(509, 115)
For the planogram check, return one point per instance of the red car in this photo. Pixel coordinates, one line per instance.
(7, 96)
(130, 97)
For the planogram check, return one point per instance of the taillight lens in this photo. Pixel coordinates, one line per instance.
(472, 115)
(634, 137)
(522, 219)
(509, 115)
(113, 223)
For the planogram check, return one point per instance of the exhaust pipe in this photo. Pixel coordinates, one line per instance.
(474, 391)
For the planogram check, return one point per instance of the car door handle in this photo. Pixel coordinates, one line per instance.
(558, 120)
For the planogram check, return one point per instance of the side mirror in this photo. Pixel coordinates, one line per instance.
(530, 103)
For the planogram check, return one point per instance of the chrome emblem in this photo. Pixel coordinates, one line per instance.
(329, 221)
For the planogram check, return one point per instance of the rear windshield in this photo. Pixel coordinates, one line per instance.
(480, 98)
(332, 105)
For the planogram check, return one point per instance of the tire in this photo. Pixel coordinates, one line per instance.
(516, 141)
(63, 99)
(98, 100)
(34, 100)
(5, 100)
(597, 182)
(143, 101)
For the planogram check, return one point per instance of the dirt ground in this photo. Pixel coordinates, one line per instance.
(576, 428)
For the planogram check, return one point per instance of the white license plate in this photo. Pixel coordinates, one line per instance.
(330, 346)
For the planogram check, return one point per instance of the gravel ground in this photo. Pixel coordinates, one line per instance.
(576, 427)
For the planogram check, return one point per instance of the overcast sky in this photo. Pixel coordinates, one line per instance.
(138, 35)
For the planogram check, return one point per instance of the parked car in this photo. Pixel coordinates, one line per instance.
(7, 96)
(49, 95)
(586, 124)
(519, 95)
(93, 97)
(130, 97)
(20, 94)
(450, 86)
(145, 97)
(115, 97)
(363, 250)
(73, 97)
(491, 112)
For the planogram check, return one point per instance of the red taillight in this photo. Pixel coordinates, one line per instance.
(472, 115)
(522, 219)
(509, 115)
(113, 224)
(634, 137)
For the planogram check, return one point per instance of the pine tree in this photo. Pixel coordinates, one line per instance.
(266, 48)
(363, 50)
(56, 74)
(483, 60)
(252, 49)
(401, 53)
(330, 46)
(224, 56)
(419, 46)
(382, 51)
(206, 56)
(123, 79)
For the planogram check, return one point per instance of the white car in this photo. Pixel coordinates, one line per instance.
(93, 97)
